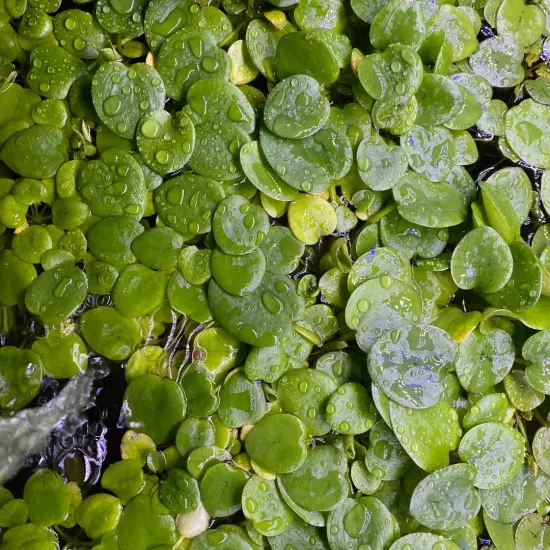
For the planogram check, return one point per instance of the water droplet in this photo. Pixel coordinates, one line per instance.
(209, 64)
(251, 505)
(236, 114)
(112, 105)
(162, 156)
(400, 88)
(150, 128)
(281, 286)
(396, 67)
(302, 100)
(175, 195)
(364, 164)
(62, 287)
(133, 209)
(116, 189)
(80, 44)
(249, 221)
(215, 537)
(272, 303)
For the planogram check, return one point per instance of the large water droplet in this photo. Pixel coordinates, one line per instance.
(112, 105)
(62, 287)
(356, 521)
(162, 156)
(249, 221)
(209, 64)
(272, 303)
(80, 44)
(175, 195)
(150, 128)
(116, 189)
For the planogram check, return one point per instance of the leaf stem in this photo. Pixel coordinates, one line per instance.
(540, 418)
(523, 431)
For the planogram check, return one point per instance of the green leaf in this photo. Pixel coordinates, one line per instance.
(222, 488)
(523, 23)
(446, 499)
(321, 483)
(142, 524)
(409, 364)
(121, 95)
(498, 60)
(264, 507)
(399, 21)
(482, 260)
(436, 205)
(346, 525)
(154, 406)
(98, 515)
(187, 57)
(47, 497)
(496, 450)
